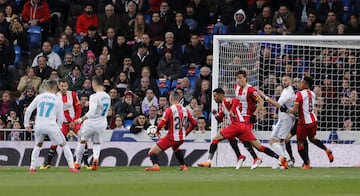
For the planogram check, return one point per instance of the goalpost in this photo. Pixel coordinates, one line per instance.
(332, 61)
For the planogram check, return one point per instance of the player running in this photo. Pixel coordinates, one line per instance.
(72, 111)
(286, 121)
(49, 118)
(180, 124)
(239, 127)
(307, 122)
(94, 122)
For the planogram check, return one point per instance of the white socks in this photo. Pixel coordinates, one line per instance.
(96, 151)
(34, 156)
(79, 152)
(68, 155)
(277, 148)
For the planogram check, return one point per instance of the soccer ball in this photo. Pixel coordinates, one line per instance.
(151, 131)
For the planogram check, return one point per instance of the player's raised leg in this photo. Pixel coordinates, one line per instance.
(153, 154)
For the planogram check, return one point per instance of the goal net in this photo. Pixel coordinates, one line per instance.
(332, 61)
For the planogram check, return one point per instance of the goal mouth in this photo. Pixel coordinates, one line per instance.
(332, 61)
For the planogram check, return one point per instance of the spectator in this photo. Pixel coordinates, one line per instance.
(137, 28)
(87, 19)
(341, 29)
(69, 31)
(186, 86)
(63, 47)
(10, 14)
(110, 19)
(122, 84)
(18, 37)
(166, 15)
(144, 58)
(129, 69)
(141, 123)
(4, 25)
(94, 40)
(107, 67)
(150, 45)
(53, 76)
(302, 10)
(7, 104)
(191, 20)
(42, 70)
(66, 67)
(180, 29)
(163, 104)
(353, 27)
(157, 29)
(318, 29)
(7, 70)
(29, 79)
(86, 88)
(120, 50)
(284, 21)
(329, 91)
(256, 9)
(202, 13)
(334, 6)
(169, 44)
(37, 13)
(202, 125)
(308, 27)
(79, 57)
(331, 24)
(194, 54)
(110, 39)
(182, 101)
(53, 59)
(128, 18)
(75, 79)
(205, 74)
(204, 95)
(149, 100)
(127, 108)
(169, 67)
(84, 102)
(198, 112)
(153, 115)
(239, 26)
(142, 82)
(263, 19)
(15, 135)
(119, 122)
(110, 118)
(90, 64)
(347, 125)
(26, 98)
(192, 105)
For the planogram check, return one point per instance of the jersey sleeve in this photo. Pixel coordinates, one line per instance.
(29, 111)
(76, 105)
(283, 99)
(298, 98)
(192, 123)
(164, 119)
(92, 107)
(252, 92)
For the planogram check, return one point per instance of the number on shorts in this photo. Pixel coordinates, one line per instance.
(42, 109)
(106, 107)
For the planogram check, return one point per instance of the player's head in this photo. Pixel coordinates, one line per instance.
(63, 86)
(218, 95)
(241, 77)
(52, 85)
(286, 81)
(306, 83)
(175, 97)
(97, 82)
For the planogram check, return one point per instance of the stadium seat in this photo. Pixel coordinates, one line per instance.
(34, 37)
(164, 85)
(127, 124)
(17, 61)
(175, 84)
(193, 80)
(220, 30)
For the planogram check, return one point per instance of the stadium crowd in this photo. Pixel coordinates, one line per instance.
(145, 48)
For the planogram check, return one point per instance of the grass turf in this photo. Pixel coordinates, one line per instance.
(170, 181)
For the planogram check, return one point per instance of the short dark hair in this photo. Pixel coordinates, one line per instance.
(219, 91)
(63, 80)
(242, 72)
(52, 84)
(175, 96)
(98, 80)
(309, 81)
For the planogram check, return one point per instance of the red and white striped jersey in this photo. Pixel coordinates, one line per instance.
(230, 104)
(247, 97)
(72, 107)
(177, 118)
(306, 101)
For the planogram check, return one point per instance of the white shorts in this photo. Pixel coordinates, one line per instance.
(52, 131)
(283, 128)
(92, 130)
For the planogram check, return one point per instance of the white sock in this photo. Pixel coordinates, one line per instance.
(68, 155)
(79, 152)
(34, 156)
(283, 147)
(277, 148)
(96, 151)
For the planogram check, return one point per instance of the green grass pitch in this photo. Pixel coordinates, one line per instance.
(171, 182)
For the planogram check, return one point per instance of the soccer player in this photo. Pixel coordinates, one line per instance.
(304, 104)
(250, 104)
(239, 127)
(180, 123)
(286, 121)
(72, 111)
(49, 118)
(94, 122)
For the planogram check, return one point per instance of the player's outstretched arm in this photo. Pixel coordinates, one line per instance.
(28, 113)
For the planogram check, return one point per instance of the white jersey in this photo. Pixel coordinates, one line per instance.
(99, 104)
(287, 98)
(49, 110)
